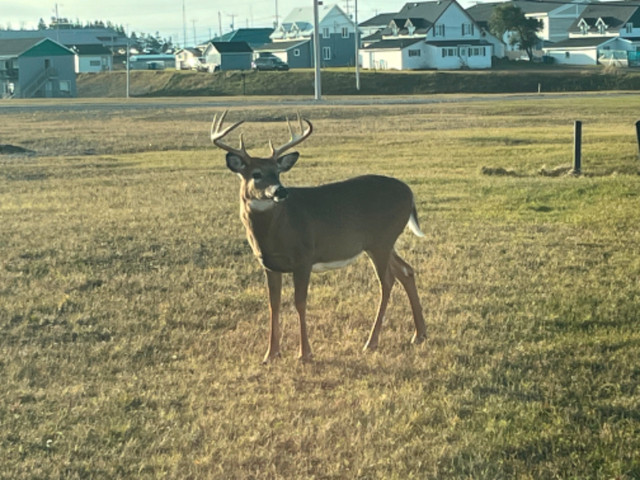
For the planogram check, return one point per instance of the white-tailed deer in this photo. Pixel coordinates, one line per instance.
(300, 230)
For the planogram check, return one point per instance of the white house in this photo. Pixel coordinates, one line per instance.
(92, 58)
(605, 33)
(188, 59)
(435, 35)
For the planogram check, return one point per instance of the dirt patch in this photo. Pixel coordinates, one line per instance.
(6, 149)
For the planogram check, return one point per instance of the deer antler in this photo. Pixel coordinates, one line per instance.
(217, 134)
(295, 139)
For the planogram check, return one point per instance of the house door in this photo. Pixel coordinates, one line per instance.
(464, 56)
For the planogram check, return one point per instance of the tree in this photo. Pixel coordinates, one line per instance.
(508, 18)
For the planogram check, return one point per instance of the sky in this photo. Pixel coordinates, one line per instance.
(203, 19)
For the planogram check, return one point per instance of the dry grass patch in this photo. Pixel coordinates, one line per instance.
(133, 318)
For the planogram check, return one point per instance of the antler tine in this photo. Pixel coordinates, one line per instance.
(217, 134)
(295, 139)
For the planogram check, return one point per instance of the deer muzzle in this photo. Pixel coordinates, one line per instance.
(277, 193)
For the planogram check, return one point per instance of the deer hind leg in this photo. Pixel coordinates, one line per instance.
(301, 287)
(405, 274)
(387, 279)
(274, 284)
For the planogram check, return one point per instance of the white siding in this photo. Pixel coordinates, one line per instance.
(585, 56)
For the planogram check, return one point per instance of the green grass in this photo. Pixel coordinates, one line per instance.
(133, 317)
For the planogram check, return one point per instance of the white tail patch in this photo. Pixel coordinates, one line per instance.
(415, 228)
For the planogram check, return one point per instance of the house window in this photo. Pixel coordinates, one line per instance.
(345, 32)
(325, 32)
(65, 86)
(326, 53)
(414, 53)
(467, 29)
(296, 52)
(94, 63)
(448, 52)
(629, 27)
(567, 54)
(439, 30)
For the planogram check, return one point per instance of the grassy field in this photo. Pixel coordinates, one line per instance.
(133, 317)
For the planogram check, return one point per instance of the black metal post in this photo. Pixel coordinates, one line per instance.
(638, 135)
(577, 147)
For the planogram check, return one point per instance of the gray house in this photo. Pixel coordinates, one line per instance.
(228, 56)
(336, 32)
(36, 67)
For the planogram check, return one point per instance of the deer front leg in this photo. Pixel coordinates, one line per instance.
(301, 287)
(274, 284)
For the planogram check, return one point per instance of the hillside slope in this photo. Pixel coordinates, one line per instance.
(342, 82)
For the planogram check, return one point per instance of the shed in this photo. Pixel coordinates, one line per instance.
(228, 56)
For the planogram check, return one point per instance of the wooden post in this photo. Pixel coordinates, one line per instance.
(638, 135)
(577, 147)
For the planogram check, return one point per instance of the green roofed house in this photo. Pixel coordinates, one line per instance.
(255, 37)
(36, 67)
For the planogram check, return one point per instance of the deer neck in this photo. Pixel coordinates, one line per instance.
(261, 218)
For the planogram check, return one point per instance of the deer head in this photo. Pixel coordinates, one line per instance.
(260, 176)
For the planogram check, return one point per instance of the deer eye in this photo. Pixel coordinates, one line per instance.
(257, 175)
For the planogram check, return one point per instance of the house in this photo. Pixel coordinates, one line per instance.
(375, 25)
(188, 59)
(591, 51)
(227, 56)
(606, 33)
(92, 41)
(336, 38)
(296, 53)
(556, 17)
(255, 37)
(92, 58)
(436, 35)
(38, 67)
(152, 61)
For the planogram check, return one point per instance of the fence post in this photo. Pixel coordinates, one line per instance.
(577, 147)
(638, 135)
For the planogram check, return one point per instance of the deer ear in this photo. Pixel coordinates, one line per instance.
(287, 161)
(235, 163)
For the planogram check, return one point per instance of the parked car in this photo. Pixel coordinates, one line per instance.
(269, 63)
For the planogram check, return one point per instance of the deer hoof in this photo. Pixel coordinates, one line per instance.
(270, 357)
(418, 339)
(370, 347)
(305, 358)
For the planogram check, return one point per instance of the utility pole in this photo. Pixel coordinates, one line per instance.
(184, 24)
(195, 42)
(277, 22)
(128, 69)
(316, 51)
(233, 23)
(357, 49)
(219, 24)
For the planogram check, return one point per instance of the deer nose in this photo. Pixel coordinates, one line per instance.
(277, 192)
(280, 194)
